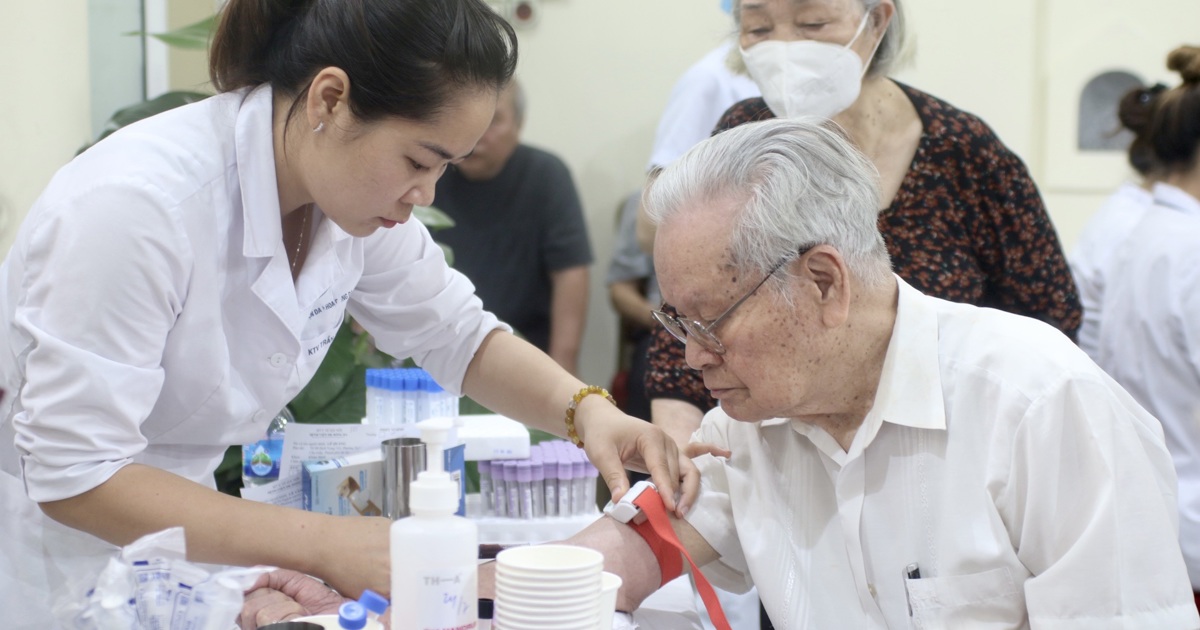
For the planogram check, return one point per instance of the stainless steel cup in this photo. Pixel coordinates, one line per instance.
(403, 458)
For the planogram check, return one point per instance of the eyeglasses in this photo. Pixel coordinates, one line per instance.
(681, 328)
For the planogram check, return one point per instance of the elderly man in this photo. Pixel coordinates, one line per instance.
(520, 234)
(896, 460)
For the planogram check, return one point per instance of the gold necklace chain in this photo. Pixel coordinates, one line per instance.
(307, 210)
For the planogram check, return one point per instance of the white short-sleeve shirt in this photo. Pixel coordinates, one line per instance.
(1024, 484)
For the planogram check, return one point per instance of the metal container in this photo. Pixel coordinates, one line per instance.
(403, 458)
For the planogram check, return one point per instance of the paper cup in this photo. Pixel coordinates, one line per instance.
(610, 583)
(562, 560)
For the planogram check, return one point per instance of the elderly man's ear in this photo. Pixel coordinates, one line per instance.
(824, 276)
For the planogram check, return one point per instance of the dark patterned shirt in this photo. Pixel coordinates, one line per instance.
(967, 225)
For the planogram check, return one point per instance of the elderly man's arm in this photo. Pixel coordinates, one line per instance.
(625, 554)
(568, 313)
(678, 418)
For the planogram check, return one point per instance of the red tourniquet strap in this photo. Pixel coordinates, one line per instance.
(657, 532)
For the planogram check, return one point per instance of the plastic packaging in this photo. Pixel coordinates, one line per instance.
(434, 552)
(260, 460)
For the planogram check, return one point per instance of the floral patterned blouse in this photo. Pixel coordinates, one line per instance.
(967, 225)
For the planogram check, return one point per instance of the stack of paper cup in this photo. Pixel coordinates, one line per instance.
(548, 587)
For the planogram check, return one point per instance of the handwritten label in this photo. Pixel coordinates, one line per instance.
(454, 597)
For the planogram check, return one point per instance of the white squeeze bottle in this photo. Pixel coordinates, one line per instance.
(434, 553)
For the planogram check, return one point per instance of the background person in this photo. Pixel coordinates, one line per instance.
(872, 428)
(519, 234)
(1116, 218)
(161, 301)
(1149, 336)
(960, 215)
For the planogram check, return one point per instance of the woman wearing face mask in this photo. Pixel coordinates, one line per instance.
(962, 218)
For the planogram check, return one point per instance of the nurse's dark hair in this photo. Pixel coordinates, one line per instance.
(1173, 130)
(1134, 113)
(404, 58)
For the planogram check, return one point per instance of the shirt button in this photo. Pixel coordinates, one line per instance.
(871, 589)
(279, 359)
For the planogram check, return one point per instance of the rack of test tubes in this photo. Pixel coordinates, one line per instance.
(548, 496)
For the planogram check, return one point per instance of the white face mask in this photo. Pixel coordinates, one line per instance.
(806, 77)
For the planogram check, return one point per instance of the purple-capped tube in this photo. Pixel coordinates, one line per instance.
(593, 475)
(525, 487)
(538, 474)
(550, 474)
(579, 483)
(486, 498)
(499, 489)
(566, 486)
(514, 493)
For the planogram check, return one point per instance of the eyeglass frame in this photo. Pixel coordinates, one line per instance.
(704, 335)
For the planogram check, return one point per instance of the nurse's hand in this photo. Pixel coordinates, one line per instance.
(615, 441)
(282, 595)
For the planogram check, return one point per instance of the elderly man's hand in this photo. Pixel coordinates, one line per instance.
(283, 595)
(615, 441)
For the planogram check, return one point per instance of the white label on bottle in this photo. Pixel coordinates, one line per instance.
(449, 600)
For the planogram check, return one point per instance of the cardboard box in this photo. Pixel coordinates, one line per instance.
(345, 486)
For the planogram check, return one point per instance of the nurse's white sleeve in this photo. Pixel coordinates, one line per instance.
(416, 306)
(104, 281)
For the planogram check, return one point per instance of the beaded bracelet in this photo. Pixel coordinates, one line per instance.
(586, 391)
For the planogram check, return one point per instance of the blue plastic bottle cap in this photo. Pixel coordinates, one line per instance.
(373, 601)
(352, 616)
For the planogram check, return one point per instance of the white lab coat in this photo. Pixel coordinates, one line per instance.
(151, 317)
(1097, 245)
(1149, 339)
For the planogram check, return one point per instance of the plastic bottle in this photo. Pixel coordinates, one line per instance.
(434, 553)
(260, 460)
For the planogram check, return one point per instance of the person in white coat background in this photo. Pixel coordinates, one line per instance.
(178, 283)
(1149, 335)
(1117, 217)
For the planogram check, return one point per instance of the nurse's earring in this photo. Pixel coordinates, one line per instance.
(319, 127)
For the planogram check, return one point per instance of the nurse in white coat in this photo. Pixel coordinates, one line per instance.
(1116, 218)
(179, 282)
(1149, 337)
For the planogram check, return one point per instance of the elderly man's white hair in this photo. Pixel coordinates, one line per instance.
(803, 184)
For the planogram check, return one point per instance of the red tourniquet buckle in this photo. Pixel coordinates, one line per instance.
(642, 509)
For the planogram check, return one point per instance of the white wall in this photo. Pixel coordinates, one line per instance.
(45, 115)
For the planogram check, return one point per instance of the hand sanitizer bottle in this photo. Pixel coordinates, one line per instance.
(434, 553)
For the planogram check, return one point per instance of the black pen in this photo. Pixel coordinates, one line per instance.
(912, 572)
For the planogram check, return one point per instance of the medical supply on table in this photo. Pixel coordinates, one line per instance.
(360, 615)
(551, 495)
(344, 486)
(403, 460)
(260, 460)
(433, 552)
(406, 396)
(149, 584)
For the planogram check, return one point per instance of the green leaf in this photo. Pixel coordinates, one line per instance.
(192, 37)
(432, 218)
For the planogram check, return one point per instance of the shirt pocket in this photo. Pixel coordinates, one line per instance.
(989, 599)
